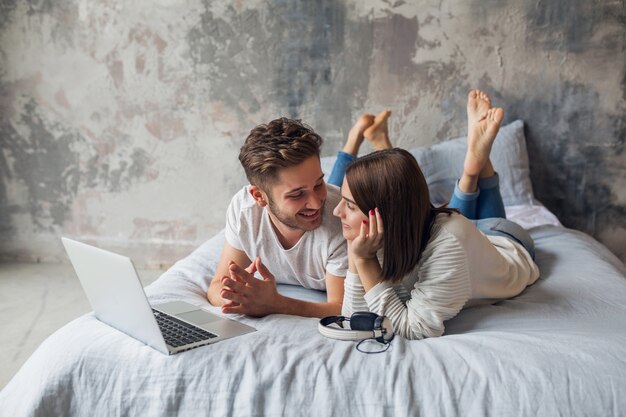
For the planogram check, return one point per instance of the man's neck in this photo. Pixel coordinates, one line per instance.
(287, 236)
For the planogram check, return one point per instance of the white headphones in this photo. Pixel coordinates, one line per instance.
(363, 325)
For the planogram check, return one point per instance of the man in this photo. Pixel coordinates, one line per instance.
(281, 226)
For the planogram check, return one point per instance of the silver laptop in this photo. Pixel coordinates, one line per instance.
(117, 298)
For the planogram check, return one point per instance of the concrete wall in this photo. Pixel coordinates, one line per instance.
(120, 122)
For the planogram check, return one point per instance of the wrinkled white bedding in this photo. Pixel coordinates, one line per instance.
(557, 349)
(531, 215)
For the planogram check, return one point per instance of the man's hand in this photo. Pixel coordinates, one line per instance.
(229, 254)
(247, 294)
(370, 238)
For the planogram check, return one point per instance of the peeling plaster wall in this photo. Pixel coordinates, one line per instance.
(120, 122)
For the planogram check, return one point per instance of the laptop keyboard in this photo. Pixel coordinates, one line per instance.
(178, 333)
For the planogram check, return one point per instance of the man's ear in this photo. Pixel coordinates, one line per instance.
(259, 195)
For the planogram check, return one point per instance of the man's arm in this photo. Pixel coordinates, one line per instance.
(332, 306)
(255, 297)
(228, 254)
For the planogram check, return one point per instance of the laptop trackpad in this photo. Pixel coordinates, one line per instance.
(198, 317)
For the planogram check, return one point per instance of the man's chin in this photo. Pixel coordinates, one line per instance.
(298, 221)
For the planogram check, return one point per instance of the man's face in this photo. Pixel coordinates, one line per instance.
(297, 198)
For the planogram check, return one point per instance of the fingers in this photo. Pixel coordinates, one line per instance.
(239, 274)
(233, 309)
(234, 277)
(229, 303)
(251, 269)
(375, 224)
(233, 285)
(379, 223)
(363, 231)
(265, 273)
(230, 295)
(373, 228)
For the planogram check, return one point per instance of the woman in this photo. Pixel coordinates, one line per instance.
(435, 261)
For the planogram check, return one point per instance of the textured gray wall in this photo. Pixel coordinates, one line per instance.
(120, 122)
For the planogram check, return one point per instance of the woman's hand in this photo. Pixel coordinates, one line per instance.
(362, 251)
(370, 238)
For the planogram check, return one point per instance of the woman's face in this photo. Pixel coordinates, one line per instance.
(349, 213)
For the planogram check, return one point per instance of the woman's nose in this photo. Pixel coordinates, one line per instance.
(337, 210)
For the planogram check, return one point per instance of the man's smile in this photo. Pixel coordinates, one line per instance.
(310, 215)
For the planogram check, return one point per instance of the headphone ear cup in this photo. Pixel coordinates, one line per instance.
(363, 325)
(363, 320)
(378, 323)
(388, 331)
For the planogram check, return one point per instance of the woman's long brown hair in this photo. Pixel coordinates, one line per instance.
(392, 181)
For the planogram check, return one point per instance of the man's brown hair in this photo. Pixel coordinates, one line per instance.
(392, 181)
(281, 143)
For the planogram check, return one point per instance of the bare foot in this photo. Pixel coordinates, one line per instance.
(355, 136)
(478, 103)
(378, 133)
(480, 138)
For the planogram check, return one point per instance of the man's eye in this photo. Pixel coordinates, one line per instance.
(296, 196)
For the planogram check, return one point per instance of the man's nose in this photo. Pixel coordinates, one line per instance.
(314, 202)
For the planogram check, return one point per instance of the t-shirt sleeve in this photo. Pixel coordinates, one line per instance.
(439, 294)
(233, 222)
(337, 263)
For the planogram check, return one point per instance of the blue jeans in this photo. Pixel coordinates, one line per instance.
(339, 169)
(484, 207)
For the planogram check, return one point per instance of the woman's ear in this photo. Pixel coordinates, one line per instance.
(259, 195)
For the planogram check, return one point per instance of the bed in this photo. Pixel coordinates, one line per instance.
(559, 348)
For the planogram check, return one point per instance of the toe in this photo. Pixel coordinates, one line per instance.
(365, 120)
(498, 114)
(382, 116)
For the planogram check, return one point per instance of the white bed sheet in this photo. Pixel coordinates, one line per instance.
(557, 349)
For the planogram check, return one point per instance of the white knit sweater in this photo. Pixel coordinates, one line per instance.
(459, 267)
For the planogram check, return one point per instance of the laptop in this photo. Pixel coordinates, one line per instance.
(115, 293)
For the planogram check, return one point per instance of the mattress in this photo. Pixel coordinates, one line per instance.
(559, 348)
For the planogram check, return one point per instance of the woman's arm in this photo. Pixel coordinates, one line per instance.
(441, 291)
(439, 294)
(353, 296)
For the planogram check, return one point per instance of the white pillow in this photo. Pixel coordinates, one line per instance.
(442, 165)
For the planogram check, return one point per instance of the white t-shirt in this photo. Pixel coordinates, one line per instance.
(460, 267)
(249, 229)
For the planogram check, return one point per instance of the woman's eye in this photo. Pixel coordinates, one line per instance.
(349, 206)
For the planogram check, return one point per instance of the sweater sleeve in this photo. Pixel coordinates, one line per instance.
(353, 300)
(439, 294)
